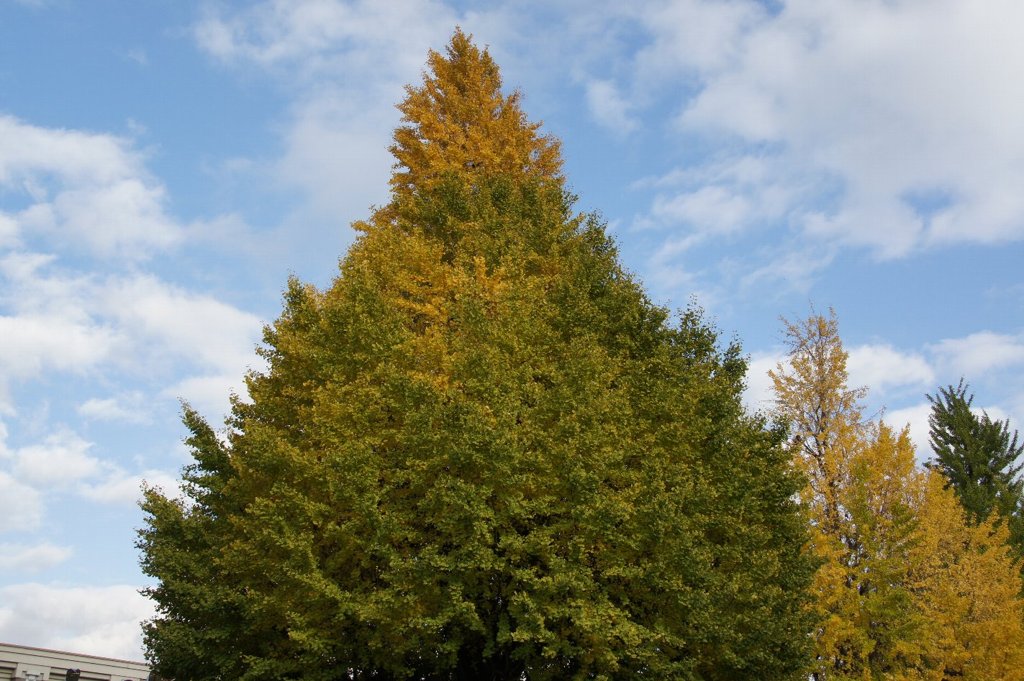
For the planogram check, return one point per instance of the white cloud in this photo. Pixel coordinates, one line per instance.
(60, 459)
(919, 137)
(916, 417)
(21, 506)
(881, 367)
(60, 462)
(710, 209)
(212, 333)
(760, 394)
(123, 488)
(8, 231)
(28, 152)
(693, 37)
(32, 558)
(125, 217)
(30, 345)
(29, 290)
(888, 372)
(79, 324)
(48, 326)
(97, 620)
(609, 107)
(82, 189)
(127, 408)
(904, 142)
(979, 353)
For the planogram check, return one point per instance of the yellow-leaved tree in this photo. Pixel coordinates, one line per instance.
(484, 131)
(966, 590)
(907, 589)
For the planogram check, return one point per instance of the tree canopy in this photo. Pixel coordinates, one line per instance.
(980, 459)
(482, 452)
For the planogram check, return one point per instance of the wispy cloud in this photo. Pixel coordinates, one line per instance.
(83, 189)
(32, 557)
(916, 419)
(126, 408)
(979, 353)
(839, 124)
(759, 394)
(331, 56)
(20, 505)
(609, 107)
(120, 487)
(106, 619)
(883, 367)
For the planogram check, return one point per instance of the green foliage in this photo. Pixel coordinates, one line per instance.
(482, 453)
(979, 458)
(178, 546)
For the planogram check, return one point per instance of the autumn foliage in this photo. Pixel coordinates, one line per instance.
(459, 121)
(908, 587)
(482, 453)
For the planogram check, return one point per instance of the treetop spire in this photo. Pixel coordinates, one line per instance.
(458, 120)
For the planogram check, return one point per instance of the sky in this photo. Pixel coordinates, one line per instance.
(166, 165)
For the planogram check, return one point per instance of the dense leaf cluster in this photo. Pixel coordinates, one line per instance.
(482, 453)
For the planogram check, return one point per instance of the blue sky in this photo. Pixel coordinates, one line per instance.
(164, 166)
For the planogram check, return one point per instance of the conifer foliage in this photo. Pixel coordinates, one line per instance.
(482, 453)
(980, 459)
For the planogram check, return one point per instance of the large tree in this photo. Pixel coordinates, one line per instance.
(482, 453)
(980, 458)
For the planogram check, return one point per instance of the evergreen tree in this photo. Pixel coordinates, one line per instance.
(482, 453)
(980, 459)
